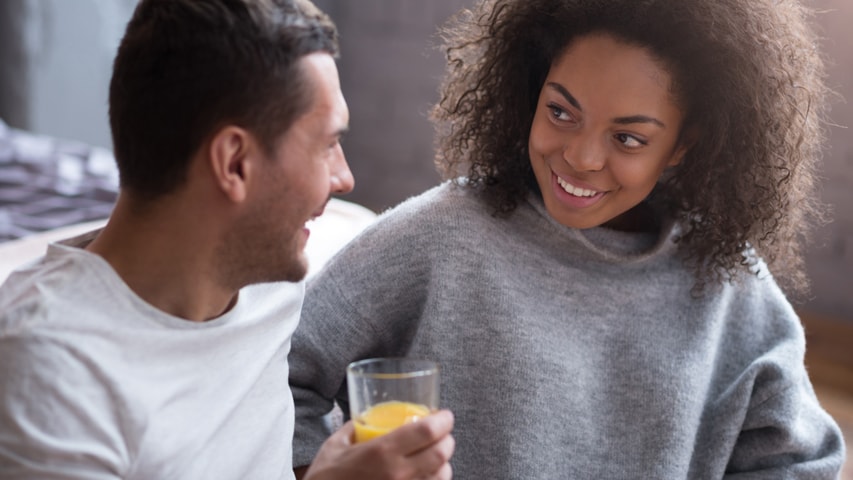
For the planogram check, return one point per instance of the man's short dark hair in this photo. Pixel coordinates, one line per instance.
(186, 68)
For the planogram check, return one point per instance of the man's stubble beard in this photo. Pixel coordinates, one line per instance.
(254, 251)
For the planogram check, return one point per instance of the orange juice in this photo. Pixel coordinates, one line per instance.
(386, 416)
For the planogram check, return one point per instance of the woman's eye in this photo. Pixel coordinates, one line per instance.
(629, 141)
(559, 114)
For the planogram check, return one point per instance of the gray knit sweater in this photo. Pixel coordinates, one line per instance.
(565, 353)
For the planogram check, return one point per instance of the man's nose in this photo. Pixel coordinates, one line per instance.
(342, 179)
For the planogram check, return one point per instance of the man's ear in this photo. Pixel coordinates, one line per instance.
(230, 151)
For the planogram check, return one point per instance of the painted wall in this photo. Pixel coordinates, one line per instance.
(390, 70)
(830, 260)
(68, 47)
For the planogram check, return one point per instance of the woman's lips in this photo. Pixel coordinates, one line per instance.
(576, 191)
(575, 195)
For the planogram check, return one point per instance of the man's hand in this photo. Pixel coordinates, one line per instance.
(419, 450)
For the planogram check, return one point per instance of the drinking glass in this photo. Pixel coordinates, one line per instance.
(385, 393)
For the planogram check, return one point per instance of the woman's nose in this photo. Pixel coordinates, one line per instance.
(584, 153)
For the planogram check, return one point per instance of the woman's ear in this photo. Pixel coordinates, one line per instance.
(687, 139)
(229, 154)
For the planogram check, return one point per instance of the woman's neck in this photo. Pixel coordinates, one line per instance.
(641, 219)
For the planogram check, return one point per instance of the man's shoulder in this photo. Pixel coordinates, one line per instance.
(46, 290)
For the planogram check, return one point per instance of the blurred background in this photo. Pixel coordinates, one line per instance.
(55, 64)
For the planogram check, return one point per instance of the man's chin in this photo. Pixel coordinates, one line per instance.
(294, 271)
(297, 270)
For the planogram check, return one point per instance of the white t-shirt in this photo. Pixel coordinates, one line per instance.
(96, 383)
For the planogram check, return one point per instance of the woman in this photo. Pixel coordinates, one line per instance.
(627, 181)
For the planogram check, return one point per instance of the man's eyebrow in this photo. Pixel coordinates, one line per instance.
(621, 120)
(565, 93)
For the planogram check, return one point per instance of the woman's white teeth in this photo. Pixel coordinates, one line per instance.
(578, 192)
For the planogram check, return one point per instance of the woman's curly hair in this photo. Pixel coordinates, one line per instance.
(748, 74)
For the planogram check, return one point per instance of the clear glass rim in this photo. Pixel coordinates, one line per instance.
(413, 367)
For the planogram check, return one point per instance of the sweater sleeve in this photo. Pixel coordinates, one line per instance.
(363, 304)
(318, 359)
(785, 433)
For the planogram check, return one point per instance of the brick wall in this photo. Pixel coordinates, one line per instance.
(390, 71)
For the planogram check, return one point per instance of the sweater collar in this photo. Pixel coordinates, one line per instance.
(613, 245)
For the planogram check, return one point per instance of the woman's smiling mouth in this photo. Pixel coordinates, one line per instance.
(576, 191)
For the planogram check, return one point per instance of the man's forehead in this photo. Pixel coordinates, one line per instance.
(328, 107)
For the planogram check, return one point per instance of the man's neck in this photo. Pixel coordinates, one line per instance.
(166, 256)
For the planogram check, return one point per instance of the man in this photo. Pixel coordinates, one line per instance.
(154, 349)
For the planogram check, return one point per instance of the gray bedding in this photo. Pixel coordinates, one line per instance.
(47, 183)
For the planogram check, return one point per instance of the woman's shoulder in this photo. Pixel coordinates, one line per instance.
(448, 195)
(446, 204)
(431, 224)
(407, 241)
(754, 302)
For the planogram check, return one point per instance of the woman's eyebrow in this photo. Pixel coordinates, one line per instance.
(638, 119)
(564, 92)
